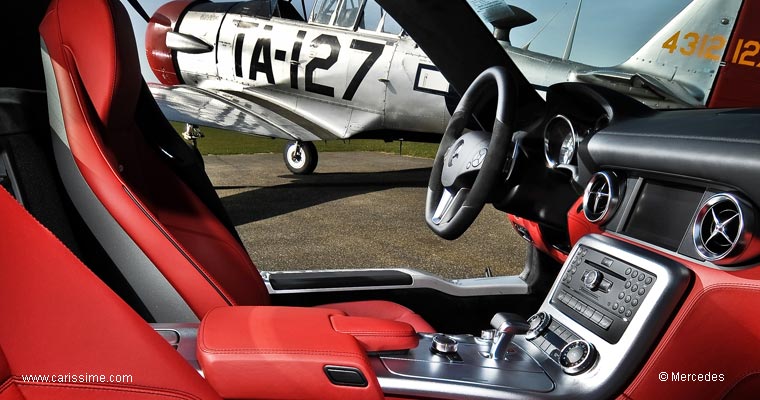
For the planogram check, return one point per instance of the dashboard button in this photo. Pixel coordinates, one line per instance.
(642, 277)
(588, 312)
(628, 271)
(648, 280)
(573, 302)
(628, 313)
(634, 302)
(597, 316)
(615, 306)
(605, 323)
(621, 295)
(627, 299)
(621, 310)
(634, 288)
(634, 273)
(627, 284)
(642, 291)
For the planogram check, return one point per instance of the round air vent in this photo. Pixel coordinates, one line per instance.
(601, 197)
(721, 231)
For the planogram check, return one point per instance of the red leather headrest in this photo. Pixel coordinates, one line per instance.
(98, 40)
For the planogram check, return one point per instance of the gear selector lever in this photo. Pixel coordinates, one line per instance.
(507, 325)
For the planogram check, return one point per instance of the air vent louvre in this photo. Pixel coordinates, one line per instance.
(719, 229)
(600, 199)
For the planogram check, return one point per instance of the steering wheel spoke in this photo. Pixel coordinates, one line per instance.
(449, 204)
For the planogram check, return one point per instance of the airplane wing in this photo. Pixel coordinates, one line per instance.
(669, 90)
(218, 109)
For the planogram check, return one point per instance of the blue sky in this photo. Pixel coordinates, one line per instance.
(609, 31)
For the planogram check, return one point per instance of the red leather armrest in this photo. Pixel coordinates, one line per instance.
(282, 352)
(376, 334)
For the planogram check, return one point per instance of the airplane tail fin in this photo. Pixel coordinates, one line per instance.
(688, 50)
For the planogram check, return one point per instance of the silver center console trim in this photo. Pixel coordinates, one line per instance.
(501, 285)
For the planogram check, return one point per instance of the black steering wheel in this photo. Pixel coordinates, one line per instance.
(468, 165)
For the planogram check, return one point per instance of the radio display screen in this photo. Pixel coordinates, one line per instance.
(662, 214)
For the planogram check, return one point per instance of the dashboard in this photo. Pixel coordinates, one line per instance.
(672, 196)
(676, 180)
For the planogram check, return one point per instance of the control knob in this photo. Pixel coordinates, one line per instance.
(577, 356)
(538, 324)
(592, 279)
(443, 344)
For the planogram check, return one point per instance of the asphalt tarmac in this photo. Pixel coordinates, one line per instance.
(358, 210)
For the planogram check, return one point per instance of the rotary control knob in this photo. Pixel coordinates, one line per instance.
(577, 356)
(538, 323)
(444, 344)
(592, 279)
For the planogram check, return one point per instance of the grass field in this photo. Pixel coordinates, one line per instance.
(218, 141)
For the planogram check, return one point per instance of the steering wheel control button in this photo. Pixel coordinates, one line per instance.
(538, 324)
(478, 158)
(577, 356)
(443, 344)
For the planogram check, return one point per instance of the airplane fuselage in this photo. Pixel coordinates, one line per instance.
(334, 82)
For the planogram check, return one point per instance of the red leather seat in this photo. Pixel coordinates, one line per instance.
(134, 181)
(62, 324)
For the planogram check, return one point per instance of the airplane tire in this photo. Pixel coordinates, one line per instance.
(300, 157)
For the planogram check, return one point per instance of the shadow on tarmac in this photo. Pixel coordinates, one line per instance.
(304, 191)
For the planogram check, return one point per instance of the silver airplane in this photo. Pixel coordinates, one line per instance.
(348, 69)
(676, 68)
(260, 68)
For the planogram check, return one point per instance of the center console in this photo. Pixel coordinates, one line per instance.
(607, 307)
(603, 314)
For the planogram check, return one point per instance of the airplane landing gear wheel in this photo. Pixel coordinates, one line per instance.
(300, 157)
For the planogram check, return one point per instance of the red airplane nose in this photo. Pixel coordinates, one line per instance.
(160, 57)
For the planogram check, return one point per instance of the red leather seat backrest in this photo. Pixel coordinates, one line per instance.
(61, 321)
(97, 76)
